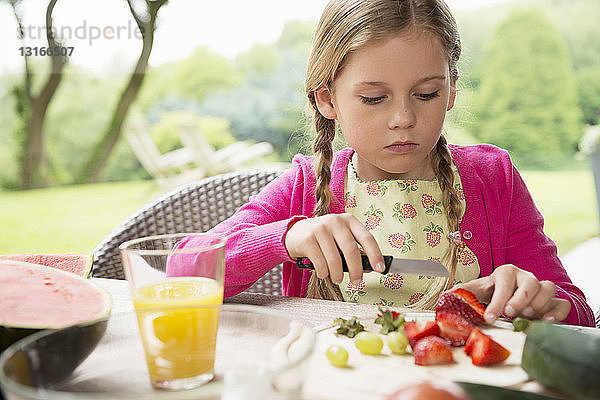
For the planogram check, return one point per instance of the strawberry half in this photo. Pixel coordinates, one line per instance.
(464, 303)
(432, 350)
(416, 330)
(453, 327)
(484, 350)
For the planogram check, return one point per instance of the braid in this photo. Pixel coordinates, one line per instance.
(442, 165)
(323, 151)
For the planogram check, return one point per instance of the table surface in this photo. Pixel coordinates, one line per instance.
(315, 313)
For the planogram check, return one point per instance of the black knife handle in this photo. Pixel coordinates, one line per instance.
(305, 263)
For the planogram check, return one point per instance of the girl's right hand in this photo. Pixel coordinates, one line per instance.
(322, 238)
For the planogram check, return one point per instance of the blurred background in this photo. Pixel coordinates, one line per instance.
(232, 71)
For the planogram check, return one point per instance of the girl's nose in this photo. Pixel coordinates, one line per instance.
(403, 117)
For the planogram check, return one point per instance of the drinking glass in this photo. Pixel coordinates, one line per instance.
(176, 282)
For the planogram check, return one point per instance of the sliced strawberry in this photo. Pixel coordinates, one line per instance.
(453, 327)
(432, 350)
(471, 299)
(484, 350)
(416, 330)
(463, 303)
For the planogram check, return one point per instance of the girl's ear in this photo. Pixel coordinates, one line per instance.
(452, 97)
(324, 103)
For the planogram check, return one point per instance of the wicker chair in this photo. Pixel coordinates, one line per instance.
(196, 207)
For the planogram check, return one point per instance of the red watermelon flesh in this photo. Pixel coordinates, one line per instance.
(79, 264)
(38, 297)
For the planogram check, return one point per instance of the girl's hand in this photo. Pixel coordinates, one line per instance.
(322, 238)
(514, 292)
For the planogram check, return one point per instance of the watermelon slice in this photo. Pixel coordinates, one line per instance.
(35, 297)
(79, 264)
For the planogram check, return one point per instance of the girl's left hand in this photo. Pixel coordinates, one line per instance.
(514, 292)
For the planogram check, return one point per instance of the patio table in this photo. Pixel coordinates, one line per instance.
(318, 314)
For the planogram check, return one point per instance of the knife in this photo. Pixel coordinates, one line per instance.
(409, 266)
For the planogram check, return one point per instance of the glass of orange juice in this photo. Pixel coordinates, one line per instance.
(176, 282)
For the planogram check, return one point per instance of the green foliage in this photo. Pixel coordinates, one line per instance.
(67, 219)
(577, 22)
(193, 78)
(166, 137)
(588, 88)
(527, 99)
(8, 126)
(76, 118)
(261, 59)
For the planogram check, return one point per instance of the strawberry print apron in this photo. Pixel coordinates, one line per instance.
(406, 218)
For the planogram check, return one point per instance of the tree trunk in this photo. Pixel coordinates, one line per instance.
(33, 169)
(96, 162)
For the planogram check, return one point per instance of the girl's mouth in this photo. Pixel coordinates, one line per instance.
(402, 147)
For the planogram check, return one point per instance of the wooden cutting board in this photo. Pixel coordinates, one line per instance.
(374, 377)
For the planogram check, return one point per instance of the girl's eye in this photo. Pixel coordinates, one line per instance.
(428, 96)
(371, 100)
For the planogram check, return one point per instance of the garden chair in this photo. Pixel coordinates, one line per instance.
(236, 156)
(170, 169)
(196, 207)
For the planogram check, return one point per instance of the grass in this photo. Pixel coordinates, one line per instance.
(74, 219)
(69, 219)
(567, 200)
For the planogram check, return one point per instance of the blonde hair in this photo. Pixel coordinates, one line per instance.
(344, 27)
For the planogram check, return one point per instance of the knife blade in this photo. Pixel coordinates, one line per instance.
(409, 266)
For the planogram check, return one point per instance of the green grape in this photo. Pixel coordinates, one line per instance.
(368, 342)
(397, 342)
(337, 356)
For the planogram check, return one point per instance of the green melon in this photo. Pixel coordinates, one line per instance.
(79, 264)
(36, 297)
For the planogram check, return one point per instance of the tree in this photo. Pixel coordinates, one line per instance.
(144, 13)
(31, 107)
(527, 102)
(588, 87)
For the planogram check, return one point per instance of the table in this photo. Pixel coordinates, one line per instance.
(313, 312)
(318, 314)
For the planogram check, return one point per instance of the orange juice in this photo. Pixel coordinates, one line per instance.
(179, 342)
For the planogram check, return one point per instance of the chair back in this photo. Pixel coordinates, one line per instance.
(196, 207)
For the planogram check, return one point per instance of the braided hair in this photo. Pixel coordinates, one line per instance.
(345, 26)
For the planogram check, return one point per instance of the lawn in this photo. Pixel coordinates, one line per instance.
(69, 219)
(75, 219)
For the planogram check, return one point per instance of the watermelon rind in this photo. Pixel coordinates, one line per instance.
(79, 264)
(10, 332)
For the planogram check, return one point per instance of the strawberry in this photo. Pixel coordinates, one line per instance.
(463, 303)
(459, 191)
(453, 327)
(415, 297)
(471, 299)
(466, 256)
(376, 188)
(432, 350)
(416, 330)
(392, 281)
(402, 242)
(372, 221)
(403, 211)
(397, 240)
(433, 234)
(374, 216)
(431, 206)
(350, 201)
(484, 350)
(427, 201)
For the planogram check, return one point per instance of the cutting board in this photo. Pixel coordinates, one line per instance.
(374, 377)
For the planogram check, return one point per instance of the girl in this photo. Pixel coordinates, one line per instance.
(385, 72)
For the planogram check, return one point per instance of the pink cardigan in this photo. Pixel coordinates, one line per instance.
(501, 224)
